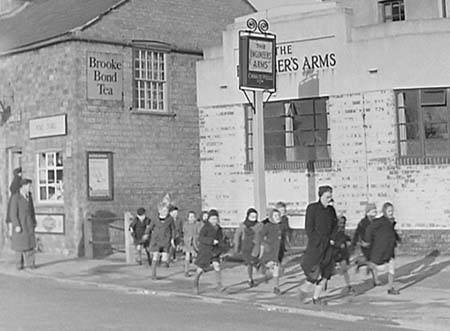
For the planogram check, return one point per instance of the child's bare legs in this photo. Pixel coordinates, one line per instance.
(305, 290)
(344, 270)
(165, 259)
(318, 290)
(187, 262)
(274, 268)
(374, 269)
(138, 254)
(199, 272)
(251, 283)
(216, 267)
(155, 256)
(391, 273)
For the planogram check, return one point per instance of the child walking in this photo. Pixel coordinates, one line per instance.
(190, 234)
(382, 239)
(163, 230)
(211, 246)
(342, 251)
(271, 235)
(246, 242)
(138, 231)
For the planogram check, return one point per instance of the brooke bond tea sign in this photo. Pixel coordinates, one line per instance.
(257, 61)
(104, 76)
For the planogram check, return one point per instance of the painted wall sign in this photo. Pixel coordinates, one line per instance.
(289, 59)
(50, 223)
(49, 126)
(104, 76)
(257, 61)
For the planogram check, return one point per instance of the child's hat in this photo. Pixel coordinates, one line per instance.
(370, 206)
(213, 212)
(141, 211)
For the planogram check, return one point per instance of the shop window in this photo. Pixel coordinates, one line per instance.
(423, 124)
(295, 131)
(392, 11)
(150, 80)
(50, 177)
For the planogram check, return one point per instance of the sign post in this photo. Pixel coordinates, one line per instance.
(257, 60)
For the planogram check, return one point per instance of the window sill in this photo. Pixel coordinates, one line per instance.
(293, 165)
(153, 113)
(417, 160)
(51, 204)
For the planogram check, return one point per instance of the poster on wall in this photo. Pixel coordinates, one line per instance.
(50, 223)
(100, 176)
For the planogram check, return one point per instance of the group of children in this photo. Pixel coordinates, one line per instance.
(261, 243)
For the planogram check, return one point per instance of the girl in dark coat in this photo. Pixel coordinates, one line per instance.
(360, 233)
(211, 246)
(246, 242)
(138, 231)
(321, 227)
(271, 234)
(286, 230)
(162, 231)
(382, 239)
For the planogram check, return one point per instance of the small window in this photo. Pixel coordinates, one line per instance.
(50, 177)
(392, 11)
(150, 80)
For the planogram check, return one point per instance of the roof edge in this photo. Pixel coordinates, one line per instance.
(99, 17)
(70, 37)
(251, 5)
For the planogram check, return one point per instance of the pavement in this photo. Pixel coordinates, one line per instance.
(423, 304)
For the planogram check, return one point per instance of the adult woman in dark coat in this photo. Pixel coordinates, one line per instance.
(211, 246)
(23, 222)
(321, 228)
(13, 188)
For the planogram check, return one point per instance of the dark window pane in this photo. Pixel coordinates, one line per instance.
(321, 122)
(43, 193)
(321, 137)
(436, 147)
(51, 176)
(274, 109)
(274, 154)
(274, 124)
(408, 131)
(322, 152)
(435, 114)
(411, 104)
(304, 138)
(320, 106)
(275, 139)
(436, 130)
(434, 98)
(410, 148)
(304, 122)
(304, 107)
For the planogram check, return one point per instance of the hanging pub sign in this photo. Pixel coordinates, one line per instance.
(257, 61)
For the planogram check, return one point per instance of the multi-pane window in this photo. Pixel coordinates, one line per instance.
(294, 130)
(50, 177)
(150, 80)
(423, 122)
(392, 11)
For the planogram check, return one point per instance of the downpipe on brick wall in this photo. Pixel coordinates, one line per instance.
(363, 114)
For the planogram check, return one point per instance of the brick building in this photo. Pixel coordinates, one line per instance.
(361, 104)
(99, 105)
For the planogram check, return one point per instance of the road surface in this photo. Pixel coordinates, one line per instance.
(28, 303)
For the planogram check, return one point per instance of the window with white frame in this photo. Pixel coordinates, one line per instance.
(392, 10)
(150, 80)
(50, 177)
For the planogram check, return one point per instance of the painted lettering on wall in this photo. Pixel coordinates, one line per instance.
(290, 61)
(104, 76)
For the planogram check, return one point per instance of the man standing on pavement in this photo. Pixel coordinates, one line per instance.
(23, 223)
(321, 228)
